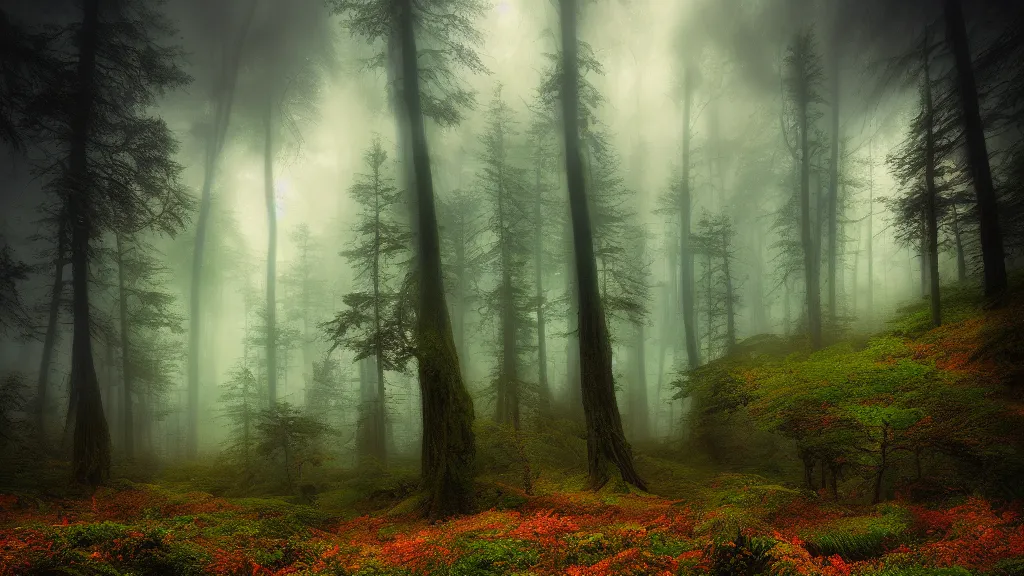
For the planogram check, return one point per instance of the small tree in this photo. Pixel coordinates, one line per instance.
(286, 436)
(714, 242)
(240, 400)
(372, 325)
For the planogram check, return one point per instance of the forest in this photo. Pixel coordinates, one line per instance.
(486, 287)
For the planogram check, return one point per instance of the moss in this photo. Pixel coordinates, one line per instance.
(860, 538)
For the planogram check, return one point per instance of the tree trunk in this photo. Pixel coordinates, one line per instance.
(459, 309)
(931, 201)
(833, 192)
(544, 391)
(811, 276)
(307, 334)
(214, 146)
(508, 381)
(638, 408)
(52, 325)
(961, 260)
(126, 377)
(685, 254)
(605, 438)
(380, 445)
(268, 189)
(730, 309)
(449, 447)
(977, 153)
(91, 453)
(573, 386)
(870, 291)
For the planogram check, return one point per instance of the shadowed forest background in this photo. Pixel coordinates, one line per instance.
(583, 287)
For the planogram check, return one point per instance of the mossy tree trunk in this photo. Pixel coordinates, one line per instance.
(605, 439)
(449, 447)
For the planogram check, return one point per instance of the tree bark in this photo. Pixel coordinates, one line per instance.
(605, 439)
(214, 147)
(126, 377)
(977, 153)
(91, 452)
(52, 325)
(449, 447)
(268, 190)
(685, 253)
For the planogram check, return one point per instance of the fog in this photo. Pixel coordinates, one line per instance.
(327, 88)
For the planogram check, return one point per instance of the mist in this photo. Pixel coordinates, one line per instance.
(228, 228)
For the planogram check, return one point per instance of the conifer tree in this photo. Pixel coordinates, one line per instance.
(503, 185)
(372, 325)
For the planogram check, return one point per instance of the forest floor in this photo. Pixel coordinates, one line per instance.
(745, 510)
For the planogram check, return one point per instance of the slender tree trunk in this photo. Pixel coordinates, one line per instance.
(931, 201)
(638, 408)
(574, 390)
(544, 392)
(268, 189)
(449, 447)
(224, 93)
(459, 309)
(787, 314)
(52, 325)
(811, 277)
(685, 253)
(508, 382)
(961, 260)
(833, 192)
(126, 376)
(307, 335)
(605, 438)
(91, 453)
(870, 291)
(380, 444)
(977, 153)
(730, 308)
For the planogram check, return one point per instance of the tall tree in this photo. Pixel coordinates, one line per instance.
(372, 324)
(977, 152)
(541, 135)
(805, 76)
(605, 439)
(504, 186)
(222, 92)
(686, 286)
(833, 171)
(449, 447)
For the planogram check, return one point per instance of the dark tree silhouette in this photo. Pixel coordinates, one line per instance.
(605, 439)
